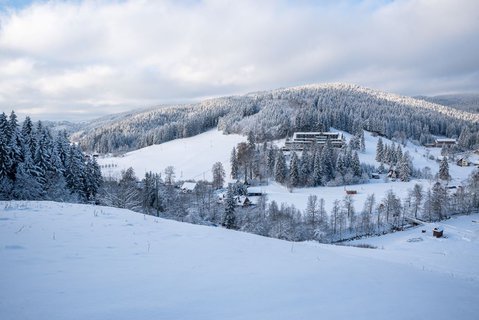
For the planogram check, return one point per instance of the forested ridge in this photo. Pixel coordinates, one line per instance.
(278, 113)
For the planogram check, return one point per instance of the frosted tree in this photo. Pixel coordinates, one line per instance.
(367, 225)
(416, 197)
(169, 175)
(405, 167)
(356, 165)
(444, 169)
(439, 201)
(5, 160)
(380, 150)
(280, 169)
(294, 177)
(218, 175)
(327, 160)
(229, 218)
(27, 186)
(128, 195)
(317, 171)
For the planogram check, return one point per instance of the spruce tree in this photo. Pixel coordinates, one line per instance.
(5, 160)
(405, 167)
(294, 177)
(444, 169)
(229, 218)
(280, 169)
(380, 150)
(356, 165)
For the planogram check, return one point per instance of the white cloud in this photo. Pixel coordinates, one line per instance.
(82, 59)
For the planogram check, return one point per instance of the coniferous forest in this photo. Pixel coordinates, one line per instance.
(36, 165)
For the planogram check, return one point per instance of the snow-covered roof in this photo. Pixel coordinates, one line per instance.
(254, 190)
(445, 140)
(190, 186)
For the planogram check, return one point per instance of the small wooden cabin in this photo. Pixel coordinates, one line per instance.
(438, 232)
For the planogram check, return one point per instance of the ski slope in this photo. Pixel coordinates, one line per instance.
(66, 261)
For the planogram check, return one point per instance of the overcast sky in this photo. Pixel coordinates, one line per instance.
(77, 60)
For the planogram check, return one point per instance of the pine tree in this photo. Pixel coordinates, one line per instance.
(28, 135)
(294, 177)
(327, 158)
(92, 179)
(380, 151)
(405, 167)
(444, 169)
(15, 144)
(439, 201)
(280, 169)
(317, 171)
(306, 166)
(417, 196)
(356, 165)
(5, 160)
(218, 175)
(75, 172)
(229, 218)
(27, 186)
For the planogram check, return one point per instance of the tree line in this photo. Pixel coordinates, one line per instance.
(35, 165)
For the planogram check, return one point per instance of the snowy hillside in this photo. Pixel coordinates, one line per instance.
(64, 261)
(192, 157)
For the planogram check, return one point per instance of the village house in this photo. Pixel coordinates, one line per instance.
(463, 162)
(188, 187)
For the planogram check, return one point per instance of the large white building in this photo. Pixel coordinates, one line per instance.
(302, 140)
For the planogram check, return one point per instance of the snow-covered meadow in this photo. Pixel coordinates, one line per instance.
(66, 261)
(191, 157)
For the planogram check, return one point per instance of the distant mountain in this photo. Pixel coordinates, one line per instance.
(278, 113)
(467, 101)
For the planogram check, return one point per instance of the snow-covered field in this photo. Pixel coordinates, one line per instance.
(64, 261)
(191, 157)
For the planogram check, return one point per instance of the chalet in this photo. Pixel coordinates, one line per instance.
(444, 142)
(243, 201)
(302, 140)
(375, 176)
(463, 163)
(438, 232)
(188, 187)
(351, 192)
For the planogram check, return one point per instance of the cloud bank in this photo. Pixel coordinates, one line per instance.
(81, 59)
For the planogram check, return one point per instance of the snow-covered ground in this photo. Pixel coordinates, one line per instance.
(64, 261)
(191, 157)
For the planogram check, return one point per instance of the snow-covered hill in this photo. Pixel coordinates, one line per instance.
(191, 157)
(64, 261)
